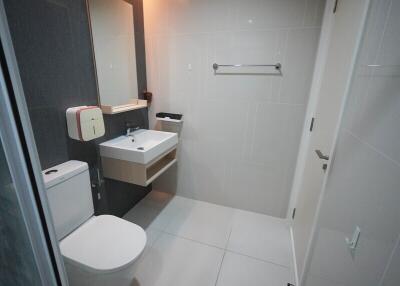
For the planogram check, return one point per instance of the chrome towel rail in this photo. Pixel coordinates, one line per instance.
(277, 66)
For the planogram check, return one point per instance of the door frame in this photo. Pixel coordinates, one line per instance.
(323, 48)
(23, 160)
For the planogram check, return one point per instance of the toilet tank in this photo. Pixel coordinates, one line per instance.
(69, 195)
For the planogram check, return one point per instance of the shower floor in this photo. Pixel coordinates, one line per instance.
(194, 243)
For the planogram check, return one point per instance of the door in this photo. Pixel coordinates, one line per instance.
(29, 254)
(17, 259)
(24, 258)
(345, 32)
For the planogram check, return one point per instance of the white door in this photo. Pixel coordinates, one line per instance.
(346, 29)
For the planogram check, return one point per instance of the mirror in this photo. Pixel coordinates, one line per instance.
(113, 38)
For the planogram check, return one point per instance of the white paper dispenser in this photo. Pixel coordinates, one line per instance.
(85, 123)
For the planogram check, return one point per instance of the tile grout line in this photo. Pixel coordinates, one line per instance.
(223, 256)
(219, 269)
(229, 237)
(201, 243)
(372, 148)
(259, 259)
(227, 250)
(193, 240)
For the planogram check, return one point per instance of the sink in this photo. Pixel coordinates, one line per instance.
(142, 147)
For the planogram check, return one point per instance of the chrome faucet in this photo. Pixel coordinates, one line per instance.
(130, 130)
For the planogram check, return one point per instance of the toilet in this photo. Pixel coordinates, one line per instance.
(97, 250)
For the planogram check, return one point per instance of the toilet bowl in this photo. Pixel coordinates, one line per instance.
(97, 250)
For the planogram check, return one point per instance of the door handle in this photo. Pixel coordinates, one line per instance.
(321, 155)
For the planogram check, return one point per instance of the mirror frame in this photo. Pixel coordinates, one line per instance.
(135, 103)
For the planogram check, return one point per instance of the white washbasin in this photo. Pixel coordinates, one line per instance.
(141, 147)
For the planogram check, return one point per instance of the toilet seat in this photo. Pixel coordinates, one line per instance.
(104, 243)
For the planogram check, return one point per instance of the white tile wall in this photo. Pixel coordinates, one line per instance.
(364, 183)
(241, 133)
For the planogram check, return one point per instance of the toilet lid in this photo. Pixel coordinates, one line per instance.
(104, 243)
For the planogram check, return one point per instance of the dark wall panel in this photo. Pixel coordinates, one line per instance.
(53, 49)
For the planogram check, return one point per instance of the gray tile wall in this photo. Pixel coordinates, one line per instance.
(53, 48)
(17, 264)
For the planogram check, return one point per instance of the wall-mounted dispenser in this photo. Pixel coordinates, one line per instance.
(85, 123)
(170, 122)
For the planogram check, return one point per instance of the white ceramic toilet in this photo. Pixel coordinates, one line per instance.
(97, 250)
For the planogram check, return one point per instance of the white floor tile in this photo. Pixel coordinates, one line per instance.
(152, 235)
(174, 261)
(319, 281)
(157, 199)
(239, 270)
(260, 236)
(200, 221)
(152, 211)
(182, 233)
(147, 217)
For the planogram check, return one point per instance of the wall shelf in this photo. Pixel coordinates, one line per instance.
(114, 109)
